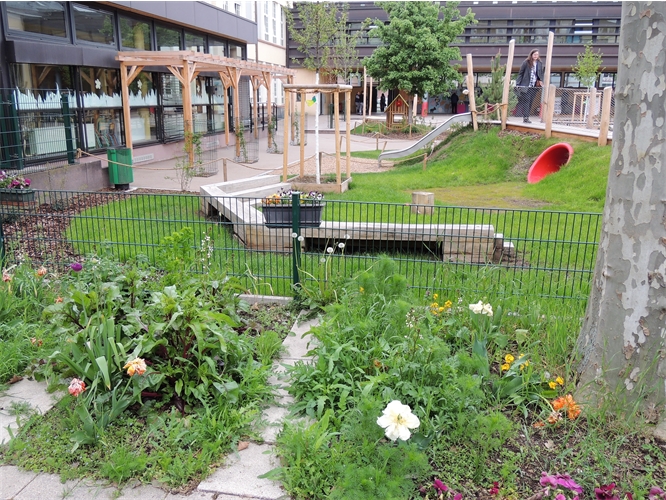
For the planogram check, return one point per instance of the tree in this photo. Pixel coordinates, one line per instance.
(621, 343)
(415, 55)
(493, 93)
(588, 66)
(314, 36)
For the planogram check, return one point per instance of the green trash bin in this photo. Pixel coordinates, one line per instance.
(120, 173)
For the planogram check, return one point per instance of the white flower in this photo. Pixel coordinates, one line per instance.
(341, 245)
(465, 91)
(294, 235)
(397, 419)
(301, 238)
(481, 308)
(139, 84)
(322, 260)
(476, 308)
(347, 236)
(98, 84)
(329, 250)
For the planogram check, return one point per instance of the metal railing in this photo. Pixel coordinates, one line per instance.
(511, 252)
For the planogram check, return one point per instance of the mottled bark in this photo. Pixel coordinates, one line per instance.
(622, 341)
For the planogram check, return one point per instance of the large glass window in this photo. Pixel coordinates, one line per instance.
(43, 77)
(100, 87)
(142, 125)
(93, 25)
(194, 42)
(44, 18)
(235, 51)
(217, 47)
(142, 90)
(102, 128)
(167, 38)
(172, 92)
(134, 34)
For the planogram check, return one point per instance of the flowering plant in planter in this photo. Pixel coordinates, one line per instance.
(8, 182)
(284, 197)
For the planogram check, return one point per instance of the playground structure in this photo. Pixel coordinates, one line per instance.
(549, 162)
(302, 90)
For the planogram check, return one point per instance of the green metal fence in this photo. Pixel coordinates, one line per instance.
(550, 254)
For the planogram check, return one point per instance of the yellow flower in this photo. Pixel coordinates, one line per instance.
(505, 366)
(524, 365)
(448, 304)
(137, 366)
(553, 385)
(442, 309)
(361, 289)
(509, 358)
(559, 380)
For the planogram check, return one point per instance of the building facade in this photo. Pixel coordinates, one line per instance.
(60, 53)
(574, 24)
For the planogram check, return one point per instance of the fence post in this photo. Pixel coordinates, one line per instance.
(296, 230)
(2, 245)
(224, 169)
(64, 100)
(550, 111)
(591, 107)
(16, 150)
(605, 116)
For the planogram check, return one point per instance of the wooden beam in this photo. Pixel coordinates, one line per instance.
(605, 116)
(336, 114)
(348, 129)
(507, 83)
(176, 72)
(134, 72)
(285, 151)
(188, 123)
(549, 111)
(301, 135)
(470, 87)
(226, 83)
(124, 88)
(255, 108)
(269, 106)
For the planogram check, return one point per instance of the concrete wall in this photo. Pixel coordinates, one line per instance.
(90, 176)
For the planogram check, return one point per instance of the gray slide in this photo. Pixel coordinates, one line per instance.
(426, 139)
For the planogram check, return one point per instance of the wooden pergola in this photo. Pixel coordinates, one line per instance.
(186, 66)
(291, 89)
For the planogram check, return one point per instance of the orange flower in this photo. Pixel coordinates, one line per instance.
(538, 424)
(41, 271)
(137, 366)
(58, 300)
(76, 387)
(567, 403)
(554, 417)
(6, 276)
(377, 363)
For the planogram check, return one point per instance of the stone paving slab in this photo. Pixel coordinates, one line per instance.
(13, 480)
(28, 392)
(46, 486)
(241, 476)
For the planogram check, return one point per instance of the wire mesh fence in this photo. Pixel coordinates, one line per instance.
(510, 252)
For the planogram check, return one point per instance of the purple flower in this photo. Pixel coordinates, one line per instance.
(563, 480)
(440, 486)
(656, 493)
(606, 492)
(457, 496)
(76, 266)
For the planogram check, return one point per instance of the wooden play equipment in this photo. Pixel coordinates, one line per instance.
(186, 65)
(397, 108)
(335, 89)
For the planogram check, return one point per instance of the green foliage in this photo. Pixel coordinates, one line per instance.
(494, 91)
(415, 55)
(316, 32)
(588, 66)
(188, 166)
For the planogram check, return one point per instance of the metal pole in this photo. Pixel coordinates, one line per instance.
(68, 128)
(2, 245)
(296, 230)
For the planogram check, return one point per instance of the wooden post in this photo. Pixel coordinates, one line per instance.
(550, 108)
(605, 116)
(269, 106)
(285, 152)
(546, 75)
(365, 83)
(348, 130)
(301, 134)
(126, 105)
(470, 88)
(255, 117)
(226, 115)
(336, 105)
(591, 107)
(224, 169)
(507, 84)
(187, 107)
(292, 104)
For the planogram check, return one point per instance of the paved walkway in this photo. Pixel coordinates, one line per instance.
(237, 479)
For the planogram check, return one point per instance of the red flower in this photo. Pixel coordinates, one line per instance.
(76, 387)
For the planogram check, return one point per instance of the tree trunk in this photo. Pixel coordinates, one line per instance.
(621, 344)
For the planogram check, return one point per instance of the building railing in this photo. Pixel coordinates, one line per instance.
(511, 252)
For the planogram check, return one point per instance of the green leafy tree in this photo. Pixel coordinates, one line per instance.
(415, 55)
(493, 92)
(588, 66)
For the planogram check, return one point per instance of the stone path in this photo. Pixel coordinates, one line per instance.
(237, 479)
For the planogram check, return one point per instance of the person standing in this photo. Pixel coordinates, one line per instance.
(358, 100)
(382, 102)
(454, 102)
(530, 77)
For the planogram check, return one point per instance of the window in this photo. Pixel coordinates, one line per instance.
(167, 38)
(217, 47)
(237, 9)
(44, 18)
(37, 76)
(194, 42)
(556, 79)
(570, 80)
(134, 34)
(266, 35)
(607, 80)
(274, 31)
(235, 51)
(99, 81)
(93, 25)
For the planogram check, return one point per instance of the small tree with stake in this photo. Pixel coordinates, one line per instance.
(492, 94)
(588, 66)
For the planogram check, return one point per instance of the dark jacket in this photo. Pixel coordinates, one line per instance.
(523, 79)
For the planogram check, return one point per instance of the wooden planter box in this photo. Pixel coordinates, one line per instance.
(280, 215)
(16, 195)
